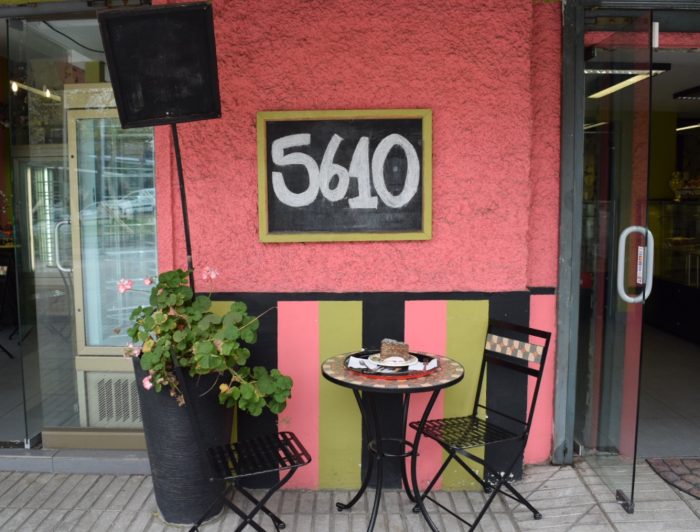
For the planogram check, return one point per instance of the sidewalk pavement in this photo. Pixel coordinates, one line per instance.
(570, 498)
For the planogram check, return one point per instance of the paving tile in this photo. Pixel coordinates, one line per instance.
(141, 495)
(104, 523)
(391, 501)
(51, 487)
(83, 484)
(359, 521)
(17, 484)
(17, 521)
(394, 523)
(304, 522)
(125, 493)
(36, 519)
(93, 492)
(230, 521)
(290, 501)
(574, 501)
(140, 522)
(322, 522)
(306, 502)
(70, 520)
(23, 499)
(340, 522)
(658, 525)
(323, 502)
(50, 523)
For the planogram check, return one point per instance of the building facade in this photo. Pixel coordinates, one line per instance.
(533, 179)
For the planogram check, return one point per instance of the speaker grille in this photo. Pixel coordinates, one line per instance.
(112, 400)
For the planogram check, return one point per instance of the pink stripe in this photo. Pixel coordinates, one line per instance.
(630, 380)
(298, 356)
(543, 315)
(426, 330)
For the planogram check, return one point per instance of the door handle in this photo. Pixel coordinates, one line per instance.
(648, 277)
(57, 248)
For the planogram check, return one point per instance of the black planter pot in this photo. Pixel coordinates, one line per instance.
(180, 474)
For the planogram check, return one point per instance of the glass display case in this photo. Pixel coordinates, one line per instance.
(676, 227)
(673, 306)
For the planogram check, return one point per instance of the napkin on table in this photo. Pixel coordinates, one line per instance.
(420, 366)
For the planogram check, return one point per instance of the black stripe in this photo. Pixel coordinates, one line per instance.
(542, 290)
(506, 390)
(262, 353)
(383, 317)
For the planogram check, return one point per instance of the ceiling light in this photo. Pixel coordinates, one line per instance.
(591, 126)
(685, 128)
(692, 93)
(624, 71)
(619, 86)
(638, 72)
(46, 93)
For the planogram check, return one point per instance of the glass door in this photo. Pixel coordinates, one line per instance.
(617, 249)
(84, 218)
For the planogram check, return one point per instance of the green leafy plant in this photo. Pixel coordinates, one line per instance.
(175, 321)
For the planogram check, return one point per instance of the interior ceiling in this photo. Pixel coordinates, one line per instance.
(42, 40)
(684, 73)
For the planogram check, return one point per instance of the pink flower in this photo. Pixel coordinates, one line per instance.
(132, 350)
(147, 383)
(209, 273)
(124, 285)
(148, 281)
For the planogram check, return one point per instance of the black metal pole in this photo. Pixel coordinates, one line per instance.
(183, 203)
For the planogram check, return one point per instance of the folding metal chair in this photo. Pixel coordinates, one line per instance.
(513, 348)
(234, 462)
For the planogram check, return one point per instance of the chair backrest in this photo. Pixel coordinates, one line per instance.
(519, 349)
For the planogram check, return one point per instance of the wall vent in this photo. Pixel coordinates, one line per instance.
(112, 400)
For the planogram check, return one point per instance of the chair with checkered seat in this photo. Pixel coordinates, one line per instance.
(514, 349)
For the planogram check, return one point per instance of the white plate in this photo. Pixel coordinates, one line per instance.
(392, 362)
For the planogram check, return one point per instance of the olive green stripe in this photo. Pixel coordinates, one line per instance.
(466, 330)
(340, 424)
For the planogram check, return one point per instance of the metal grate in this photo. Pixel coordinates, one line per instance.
(112, 400)
(264, 454)
(465, 432)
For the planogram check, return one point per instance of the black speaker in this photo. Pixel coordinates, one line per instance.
(162, 61)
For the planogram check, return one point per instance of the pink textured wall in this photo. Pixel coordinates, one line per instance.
(543, 234)
(478, 65)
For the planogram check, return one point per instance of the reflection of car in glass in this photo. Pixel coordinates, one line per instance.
(138, 201)
(95, 211)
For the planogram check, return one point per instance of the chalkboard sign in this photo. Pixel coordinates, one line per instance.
(162, 63)
(345, 175)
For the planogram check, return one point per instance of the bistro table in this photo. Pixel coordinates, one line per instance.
(365, 387)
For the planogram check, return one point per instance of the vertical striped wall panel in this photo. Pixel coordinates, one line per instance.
(426, 330)
(543, 315)
(308, 328)
(466, 331)
(340, 437)
(299, 357)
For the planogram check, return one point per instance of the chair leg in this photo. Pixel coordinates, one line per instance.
(485, 485)
(279, 524)
(249, 518)
(426, 492)
(522, 500)
(502, 480)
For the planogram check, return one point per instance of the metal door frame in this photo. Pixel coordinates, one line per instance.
(571, 202)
